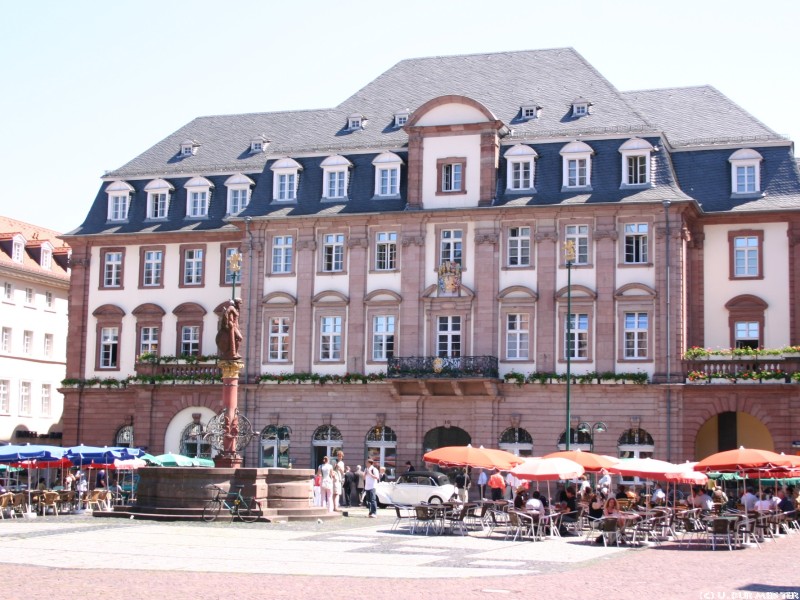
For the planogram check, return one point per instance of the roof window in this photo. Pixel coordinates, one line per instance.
(581, 107)
(189, 147)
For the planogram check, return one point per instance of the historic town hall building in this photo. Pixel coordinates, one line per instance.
(415, 234)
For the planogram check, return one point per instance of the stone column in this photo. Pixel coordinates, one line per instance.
(229, 457)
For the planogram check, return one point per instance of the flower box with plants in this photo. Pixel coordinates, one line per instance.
(748, 377)
(516, 378)
(696, 377)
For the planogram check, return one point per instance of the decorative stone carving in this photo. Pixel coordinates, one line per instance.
(413, 240)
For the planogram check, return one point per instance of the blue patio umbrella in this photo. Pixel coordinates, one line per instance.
(19, 452)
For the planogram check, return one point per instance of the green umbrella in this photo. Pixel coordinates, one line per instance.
(178, 460)
(152, 460)
(203, 462)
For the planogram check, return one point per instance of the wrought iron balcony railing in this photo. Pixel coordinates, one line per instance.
(428, 367)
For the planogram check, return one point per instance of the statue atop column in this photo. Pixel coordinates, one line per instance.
(229, 336)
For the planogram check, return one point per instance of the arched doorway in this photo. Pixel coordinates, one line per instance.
(327, 440)
(578, 440)
(382, 447)
(275, 446)
(635, 443)
(439, 437)
(729, 430)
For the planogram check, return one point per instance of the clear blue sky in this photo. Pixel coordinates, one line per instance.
(88, 85)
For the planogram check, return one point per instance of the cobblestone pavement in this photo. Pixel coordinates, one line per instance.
(72, 555)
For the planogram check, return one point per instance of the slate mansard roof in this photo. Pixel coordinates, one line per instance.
(671, 119)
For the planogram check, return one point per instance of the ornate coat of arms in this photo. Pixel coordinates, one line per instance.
(449, 278)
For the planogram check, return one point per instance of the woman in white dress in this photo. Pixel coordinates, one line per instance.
(326, 483)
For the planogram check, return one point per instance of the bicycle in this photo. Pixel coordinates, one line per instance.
(247, 509)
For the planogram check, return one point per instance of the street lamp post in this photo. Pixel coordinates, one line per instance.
(598, 427)
(569, 258)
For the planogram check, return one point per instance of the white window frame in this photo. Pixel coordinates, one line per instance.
(386, 251)
(18, 249)
(239, 187)
(449, 336)
(148, 339)
(153, 269)
(636, 335)
(452, 177)
(401, 118)
(333, 252)
(112, 269)
(8, 291)
(5, 339)
(198, 197)
(519, 247)
(518, 329)
(48, 341)
(27, 341)
(335, 177)
(749, 256)
(193, 266)
(743, 331)
(387, 175)
(517, 157)
(190, 340)
(46, 257)
(229, 252)
(576, 157)
(636, 148)
(189, 148)
(48, 299)
(383, 337)
(578, 233)
(25, 407)
(119, 196)
(5, 404)
(46, 399)
(109, 348)
(745, 159)
(278, 339)
(641, 239)
(579, 331)
(30, 296)
(282, 253)
(158, 190)
(330, 338)
(451, 246)
(285, 179)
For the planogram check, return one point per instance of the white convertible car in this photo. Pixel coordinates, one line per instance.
(415, 487)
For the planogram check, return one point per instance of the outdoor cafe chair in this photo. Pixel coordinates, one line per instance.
(457, 518)
(722, 527)
(746, 530)
(98, 498)
(611, 531)
(514, 525)
(66, 500)
(549, 525)
(425, 517)
(404, 513)
(49, 500)
(19, 506)
(691, 527)
(6, 500)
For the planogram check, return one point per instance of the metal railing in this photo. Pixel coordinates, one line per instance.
(430, 367)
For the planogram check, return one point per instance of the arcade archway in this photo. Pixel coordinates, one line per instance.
(439, 437)
(729, 430)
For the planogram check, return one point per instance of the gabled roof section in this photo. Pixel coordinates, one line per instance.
(699, 116)
(36, 238)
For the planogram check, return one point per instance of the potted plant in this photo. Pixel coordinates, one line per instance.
(773, 376)
(721, 377)
(695, 353)
(517, 379)
(696, 377)
(748, 377)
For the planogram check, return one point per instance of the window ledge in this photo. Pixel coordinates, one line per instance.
(283, 202)
(117, 221)
(383, 271)
(567, 189)
(282, 274)
(520, 191)
(392, 197)
(747, 195)
(342, 272)
(746, 278)
(189, 218)
(342, 199)
(155, 219)
(637, 186)
(517, 268)
(634, 265)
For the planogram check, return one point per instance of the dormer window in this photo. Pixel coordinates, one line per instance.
(577, 166)
(529, 111)
(285, 177)
(580, 107)
(198, 197)
(636, 158)
(46, 256)
(258, 144)
(401, 117)
(189, 147)
(159, 193)
(355, 122)
(387, 175)
(745, 171)
(238, 193)
(18, 248)
(520, 162)
(119, 194)
(336, 170)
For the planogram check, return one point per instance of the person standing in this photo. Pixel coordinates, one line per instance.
(462, 485)
(382, 473)
(409, 466)
(359, 484)
(371, 478)
(483, 479)
(347, 487)
(337, 476)
(326, 484)
(497, 484)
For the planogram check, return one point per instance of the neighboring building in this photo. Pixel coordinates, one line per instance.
(33, 340)
(418, 228)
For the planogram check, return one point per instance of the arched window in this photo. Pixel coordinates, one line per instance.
(124, 437)
(517, 441)
(275, 446)
(579, 440)
(326, 441)
(193, 442)
(382, 447)
(635, 443)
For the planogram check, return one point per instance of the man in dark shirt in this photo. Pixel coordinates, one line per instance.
(409, 466)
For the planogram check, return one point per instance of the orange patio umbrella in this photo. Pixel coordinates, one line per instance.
(591, 462)
(467, 456)
(649, 468)
(743, 459)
